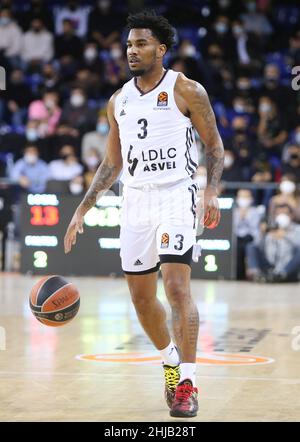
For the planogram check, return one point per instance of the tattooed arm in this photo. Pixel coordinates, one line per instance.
(195, 103)
(105, 176)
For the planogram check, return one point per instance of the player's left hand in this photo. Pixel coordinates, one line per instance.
(212, 214)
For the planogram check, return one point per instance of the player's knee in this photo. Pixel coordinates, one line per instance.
(177, 292)
(140, 301)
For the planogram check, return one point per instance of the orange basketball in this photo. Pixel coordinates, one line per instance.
(54, 301)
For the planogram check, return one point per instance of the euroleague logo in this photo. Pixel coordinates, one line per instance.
(219, 359)
(164, 241)
(162, 99)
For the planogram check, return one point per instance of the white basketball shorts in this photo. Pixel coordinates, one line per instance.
(158, 224)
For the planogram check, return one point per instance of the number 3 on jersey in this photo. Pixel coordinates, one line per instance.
(144, 124)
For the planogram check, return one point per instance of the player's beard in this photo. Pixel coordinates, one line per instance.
(137, 72)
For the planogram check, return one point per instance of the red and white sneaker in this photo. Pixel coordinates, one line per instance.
(185, 403)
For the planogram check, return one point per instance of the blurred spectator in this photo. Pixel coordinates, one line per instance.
(246, 219)
(256, 22)
(76, 185)
(287, 195)
(272, 131)
(232, 171)
(30, 172)
(18, 96)
(282, 95)
(275, 254)
(74, 13)
(34, 8)
(91, 58)
(51, 78)
(10, 37)
(96, 140)
(77, 113)
(47, 112)
(104, 24)
(37, 44)
(293, 52)
(91, 161)
(292, 164)
(220, 35)
(68, 48)
(67, 167)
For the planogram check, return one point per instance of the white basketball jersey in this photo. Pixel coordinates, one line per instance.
(157, 140)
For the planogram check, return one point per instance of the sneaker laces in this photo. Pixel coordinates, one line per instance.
(184, 392)
(171, 376)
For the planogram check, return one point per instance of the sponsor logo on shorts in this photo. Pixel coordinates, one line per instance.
(162, 99)
(138, 263)
(165, 241)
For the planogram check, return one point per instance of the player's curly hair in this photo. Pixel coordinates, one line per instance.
(159, 26)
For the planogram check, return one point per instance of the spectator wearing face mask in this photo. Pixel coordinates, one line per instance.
(282, 95)
(77, 113)
(10, 37)
(91, 58)
(287, 194)
(67, 167)
(75, 13)
(18, 96)
(105, 26)
(96, 139)
(246, 219)
(275, 255)
(220, 34)
(232, 170)
(291, 164)
(272, 131)
(47, 112)
(38, 44)
(91, 162)
(256, 22)
(30, 173)
(76, 185)
(68, 49)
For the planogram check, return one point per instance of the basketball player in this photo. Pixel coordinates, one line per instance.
(151, 140)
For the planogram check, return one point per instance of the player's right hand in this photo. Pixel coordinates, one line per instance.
(75, 226)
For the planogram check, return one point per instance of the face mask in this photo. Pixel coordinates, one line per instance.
(297, 137)
(243, 202)
(36, 30)
(116, 53)
(4, 21)
(283, 220)
(251, 6)
(264, 107)
(65, 156)
(76, 188)
(294, 156)
(76, 100)
(228, 161)
(104, 5)
(237, 30)
(239, 108)
(31, 134)
(243, 86)
(50, 104)
(189, 51)
(102, 128)
(92, 161)
(224, 3)
(221, 28)
(90, 54)
(287, 187)
(30, 158)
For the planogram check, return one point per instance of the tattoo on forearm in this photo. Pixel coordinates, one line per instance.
(103, 179)
(214, 165)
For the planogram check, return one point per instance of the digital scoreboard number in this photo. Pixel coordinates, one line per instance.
(44, 220)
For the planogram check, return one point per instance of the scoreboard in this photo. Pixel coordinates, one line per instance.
(45, 218)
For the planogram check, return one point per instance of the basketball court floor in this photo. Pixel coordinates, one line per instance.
(101, 367)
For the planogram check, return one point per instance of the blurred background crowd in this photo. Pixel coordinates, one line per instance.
(64, 59)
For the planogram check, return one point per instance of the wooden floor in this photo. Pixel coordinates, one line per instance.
(248, 361)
